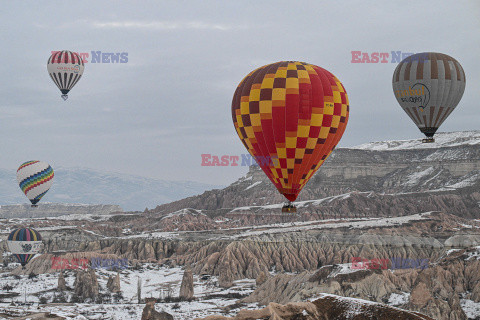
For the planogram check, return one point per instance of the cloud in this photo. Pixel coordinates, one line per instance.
(166, 25)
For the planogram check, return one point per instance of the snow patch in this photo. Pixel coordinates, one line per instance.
(468, 182)
(396, 299)
(414, 178)
(253, 185)
(320, 224)
(183, 212)
(471, 308)
(442, 139)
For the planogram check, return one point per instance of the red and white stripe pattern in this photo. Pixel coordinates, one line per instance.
(65, 68)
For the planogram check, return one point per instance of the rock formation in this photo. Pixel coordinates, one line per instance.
(225, 279)
(261, 278)
(149, 312)
(62, 286)
(86, 285)
(186, 288)
(327, 307)
(113, 283)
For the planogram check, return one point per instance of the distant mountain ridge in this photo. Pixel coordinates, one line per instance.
(88, 186)
(442, 140)
(58, 210)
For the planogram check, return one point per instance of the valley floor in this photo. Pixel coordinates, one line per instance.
(157, 282)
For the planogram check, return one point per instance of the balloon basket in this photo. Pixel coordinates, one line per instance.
(64, 97)
(428, 140)
(34, 205)
(289, 208)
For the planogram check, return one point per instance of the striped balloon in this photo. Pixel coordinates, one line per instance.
(35, 178)
(24, 244)
(428, 86)
(290, 116)
(65, 68)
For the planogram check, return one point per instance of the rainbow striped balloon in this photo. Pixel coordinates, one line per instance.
(35, 178)
(24, 244)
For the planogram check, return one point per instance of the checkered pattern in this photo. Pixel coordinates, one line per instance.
(294, 114)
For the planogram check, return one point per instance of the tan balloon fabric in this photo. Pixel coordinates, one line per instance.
(428, 86)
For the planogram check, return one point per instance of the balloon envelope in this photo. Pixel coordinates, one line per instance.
(35, 178)
(428, 86)
(24, 244)
(290, 116)
(65, 68)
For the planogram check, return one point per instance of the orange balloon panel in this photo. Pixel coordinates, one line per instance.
(290, 116)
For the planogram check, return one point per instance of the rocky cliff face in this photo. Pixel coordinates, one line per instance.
(434, 291)
(246, 252)
(327, 307)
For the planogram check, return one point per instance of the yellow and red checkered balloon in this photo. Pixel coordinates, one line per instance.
(290, 116)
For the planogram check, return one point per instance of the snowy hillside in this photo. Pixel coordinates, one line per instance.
(442, 139)
(81, 185)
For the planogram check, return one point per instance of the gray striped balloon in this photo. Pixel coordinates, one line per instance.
(428, 86)
(65, 68)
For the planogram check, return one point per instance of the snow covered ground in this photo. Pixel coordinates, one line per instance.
(245, 232)
(157, 282)
(353, 224)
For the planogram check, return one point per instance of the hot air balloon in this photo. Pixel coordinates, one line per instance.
(65, 68)
(24, 244)
(35, 178)
(290, 116)
(428, 86)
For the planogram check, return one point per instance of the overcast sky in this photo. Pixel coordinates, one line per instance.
(156, 114)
